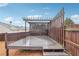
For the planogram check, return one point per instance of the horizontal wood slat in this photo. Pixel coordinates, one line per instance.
(72, 43)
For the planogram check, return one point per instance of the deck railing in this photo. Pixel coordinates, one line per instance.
(11, 37)
(2, 36)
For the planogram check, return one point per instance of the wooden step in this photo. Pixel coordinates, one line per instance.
(54, 54)
(53, 50)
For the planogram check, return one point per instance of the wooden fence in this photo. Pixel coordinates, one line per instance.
(2, 36)
(56, 27)
(72, 41)
(73, 26)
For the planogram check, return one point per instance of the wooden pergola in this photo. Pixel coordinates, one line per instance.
(38, 26)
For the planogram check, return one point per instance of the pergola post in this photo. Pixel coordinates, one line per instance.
(30, 28)
(25, 26)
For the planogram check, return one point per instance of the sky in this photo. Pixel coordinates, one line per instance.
(16, 11)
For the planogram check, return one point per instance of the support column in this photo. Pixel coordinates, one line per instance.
(25, 26)
(30, 27)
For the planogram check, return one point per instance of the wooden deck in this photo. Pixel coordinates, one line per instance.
(37, 41)
(44, 43)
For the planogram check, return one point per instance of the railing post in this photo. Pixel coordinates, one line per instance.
(7, 50)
